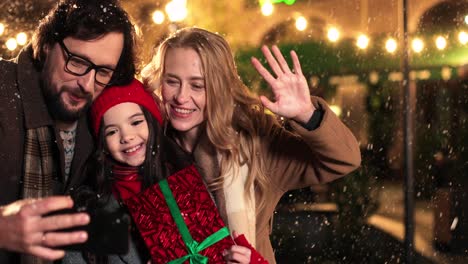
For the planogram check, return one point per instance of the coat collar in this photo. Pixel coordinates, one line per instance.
(29, 85)
(206, 158)
(204, 155)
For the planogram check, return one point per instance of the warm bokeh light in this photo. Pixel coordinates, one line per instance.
(391, 45)
(466, 19)
(267, 8)
(301, 23)
(21, 38)
(11, 44)
(374, 77)
(336, 109)
(158, 17)
(333, 34)
(441, 43)
(446, 73)
(2, 28)
(463, 37)
(177, 10)
(417, 44)
(362, 41)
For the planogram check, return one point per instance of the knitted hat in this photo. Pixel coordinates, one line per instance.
(114, 95)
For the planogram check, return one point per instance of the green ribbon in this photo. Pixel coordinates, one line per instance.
(193, 247)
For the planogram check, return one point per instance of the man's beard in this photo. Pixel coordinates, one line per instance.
(58, 110)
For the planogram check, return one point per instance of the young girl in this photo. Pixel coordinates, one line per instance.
(132, 153)
(249, 160)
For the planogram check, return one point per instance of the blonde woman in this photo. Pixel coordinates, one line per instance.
(248, 160)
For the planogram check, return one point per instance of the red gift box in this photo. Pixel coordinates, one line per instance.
(158, 227)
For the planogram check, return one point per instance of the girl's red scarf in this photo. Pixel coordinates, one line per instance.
(127, 181)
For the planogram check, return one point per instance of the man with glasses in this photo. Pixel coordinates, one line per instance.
(78, 49)
(79, 66)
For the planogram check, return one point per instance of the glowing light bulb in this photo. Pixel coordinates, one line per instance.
(463, 37)
(441, 43)
(21, 38)
(417, 45)
(391, 45)
(177, 10)
(301, 23)
(11, 44)
(333, 34)
(362, 41)
(267, 8)
(158, 17)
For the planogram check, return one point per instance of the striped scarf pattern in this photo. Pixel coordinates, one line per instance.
(39, 170)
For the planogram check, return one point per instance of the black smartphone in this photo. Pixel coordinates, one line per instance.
(109, 227)
(108, 233)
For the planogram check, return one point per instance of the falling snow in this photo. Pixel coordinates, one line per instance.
(359, 218)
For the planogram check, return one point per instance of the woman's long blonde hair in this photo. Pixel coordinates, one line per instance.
(233, 114)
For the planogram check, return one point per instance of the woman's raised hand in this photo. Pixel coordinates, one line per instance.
(292, 96)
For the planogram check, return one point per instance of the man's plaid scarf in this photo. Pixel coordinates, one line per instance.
(39, 170)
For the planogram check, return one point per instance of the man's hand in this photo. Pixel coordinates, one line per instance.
(25, 228)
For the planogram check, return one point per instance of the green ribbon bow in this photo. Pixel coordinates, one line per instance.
(193, 247)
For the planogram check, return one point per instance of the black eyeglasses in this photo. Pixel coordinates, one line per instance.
(80, 66)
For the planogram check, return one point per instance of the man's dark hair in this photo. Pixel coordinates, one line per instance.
(88, 20)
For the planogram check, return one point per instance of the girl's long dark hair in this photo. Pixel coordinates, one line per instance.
(163, 158)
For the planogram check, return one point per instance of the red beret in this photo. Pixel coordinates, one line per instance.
(114, 95)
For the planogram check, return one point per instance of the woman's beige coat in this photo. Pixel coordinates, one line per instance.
(293, 160)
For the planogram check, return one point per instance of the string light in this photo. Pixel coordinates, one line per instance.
(441, 43)
(391, 45)
(463, 37)
(11, 44)
(333, 34)
(301, 23)
(158, 17)
(362, 41)
(177, 10)
(267, 8)
(21, 38)
(417, 44)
